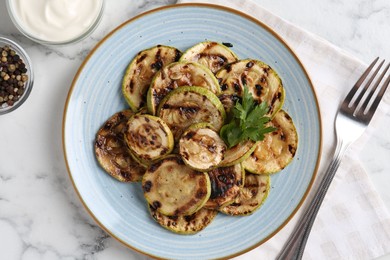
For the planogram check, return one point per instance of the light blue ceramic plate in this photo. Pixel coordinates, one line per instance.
(95, 95)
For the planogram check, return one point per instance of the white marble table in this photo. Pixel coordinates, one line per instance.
(40, 215)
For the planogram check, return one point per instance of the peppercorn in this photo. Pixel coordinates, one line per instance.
(13, 76)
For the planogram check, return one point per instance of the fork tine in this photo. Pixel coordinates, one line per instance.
(378, 98)
(364, 107)
(355, 104)
(360, 81)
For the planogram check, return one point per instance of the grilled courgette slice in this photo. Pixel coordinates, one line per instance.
(229, 101)
(202, 148)
(111, 150)
(226, 183)
(211, 54)
(238, 153)
(179, 74)
(188, 105)
(172, 188)
(250, 197)
(277, 149)
(148, 137)
(262, 81)
(184, 224)
(140, 71)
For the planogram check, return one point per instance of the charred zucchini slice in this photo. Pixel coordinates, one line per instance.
(188, 105)
(179, 74)
(277, 149)
(262, 81)
(250, 197)
(238, 153)
(213, 55)
(201, 148)
(229, 101)
(172, 188)
(225, 185)
(184, 224)
(148, 137)
(111, 150)
(140, 71)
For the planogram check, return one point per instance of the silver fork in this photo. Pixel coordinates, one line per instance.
(353, 117)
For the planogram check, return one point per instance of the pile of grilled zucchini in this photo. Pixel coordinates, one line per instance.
(169, 137)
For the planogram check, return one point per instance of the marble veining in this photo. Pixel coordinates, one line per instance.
(359, 27)
(41, 217)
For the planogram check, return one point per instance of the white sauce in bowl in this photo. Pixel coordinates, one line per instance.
(56, 20)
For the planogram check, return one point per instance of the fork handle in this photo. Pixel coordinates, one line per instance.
(294, 247)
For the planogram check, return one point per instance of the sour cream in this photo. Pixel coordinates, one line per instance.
(56, 21)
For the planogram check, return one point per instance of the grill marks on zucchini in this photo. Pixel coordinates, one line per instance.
(189, 105)
(191, 98)
(184, 224)
(277, 149)
(148, 137)
(111, 150)
(179, 74)
(262, 81)
(250, 197)
(201, 148)
(225, 185)
(141, 70)
(173, 188)
(210, 54)
(228, 101)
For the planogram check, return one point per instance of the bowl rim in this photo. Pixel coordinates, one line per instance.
(75, 39)
(30, 72)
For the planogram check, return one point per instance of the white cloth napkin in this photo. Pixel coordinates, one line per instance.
(353, 222)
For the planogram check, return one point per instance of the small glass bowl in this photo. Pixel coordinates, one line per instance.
(47, 42)
(5, 108)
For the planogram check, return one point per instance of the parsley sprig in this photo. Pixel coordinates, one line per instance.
(248, 122)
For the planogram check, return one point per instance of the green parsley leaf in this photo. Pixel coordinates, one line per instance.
(248, 122)
(231, 133)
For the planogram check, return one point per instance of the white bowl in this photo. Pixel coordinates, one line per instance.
(22, 26)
